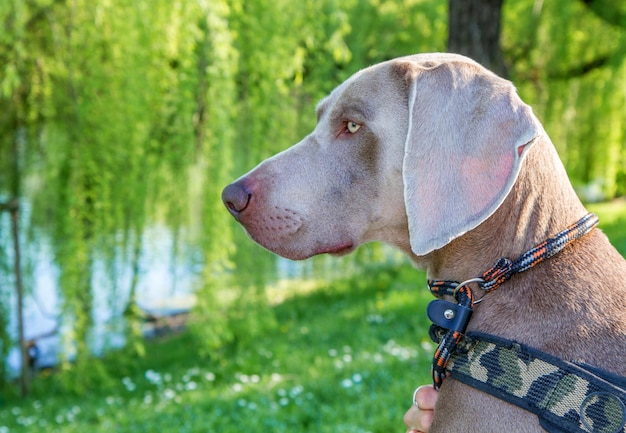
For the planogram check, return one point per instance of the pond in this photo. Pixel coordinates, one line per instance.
(165, 288)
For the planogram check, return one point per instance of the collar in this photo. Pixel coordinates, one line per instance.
(450, 319)
(566, 396)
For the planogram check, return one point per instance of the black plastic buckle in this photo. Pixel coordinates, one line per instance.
(449, 315)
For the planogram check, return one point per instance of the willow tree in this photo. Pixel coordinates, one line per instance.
(105, 98)
(570, 64)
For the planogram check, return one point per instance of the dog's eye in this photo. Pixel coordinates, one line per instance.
(352, 127)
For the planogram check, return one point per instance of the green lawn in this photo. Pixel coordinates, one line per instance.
(344, 357)
(613, 221)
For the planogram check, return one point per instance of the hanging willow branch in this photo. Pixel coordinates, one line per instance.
(580, 70)
(610, 11)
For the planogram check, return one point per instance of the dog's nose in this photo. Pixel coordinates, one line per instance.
(236, 198)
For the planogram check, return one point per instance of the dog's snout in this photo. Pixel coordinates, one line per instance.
(236, 198)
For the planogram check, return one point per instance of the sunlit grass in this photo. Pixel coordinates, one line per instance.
(344, 358)
(613, 221)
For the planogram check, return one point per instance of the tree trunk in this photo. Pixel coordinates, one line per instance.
(474, 31)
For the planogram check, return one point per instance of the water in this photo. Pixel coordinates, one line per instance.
(165, 287)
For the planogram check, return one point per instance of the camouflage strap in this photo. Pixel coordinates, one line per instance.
(567, 397)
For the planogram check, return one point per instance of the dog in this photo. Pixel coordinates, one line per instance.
(439, 157)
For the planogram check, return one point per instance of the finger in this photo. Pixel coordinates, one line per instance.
(426, 397)
(417, 420)
(426, 419)
(412, 417)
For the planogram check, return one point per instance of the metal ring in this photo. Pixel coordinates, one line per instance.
(602, 399)
(415, 396)
(478, 301)
(466, 282)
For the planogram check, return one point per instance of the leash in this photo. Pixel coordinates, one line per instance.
(567, 397)
(450, 319)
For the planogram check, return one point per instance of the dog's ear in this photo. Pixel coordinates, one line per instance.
(468, 133)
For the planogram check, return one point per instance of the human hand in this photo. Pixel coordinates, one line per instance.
(420, 416)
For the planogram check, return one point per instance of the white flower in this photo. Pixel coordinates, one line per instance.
(26, 421)
(374, 318)
(244, 378)
(153, 377)
(296, 390)
(427, 346)
(128, 384)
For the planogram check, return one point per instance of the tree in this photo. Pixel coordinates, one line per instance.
(474, 31)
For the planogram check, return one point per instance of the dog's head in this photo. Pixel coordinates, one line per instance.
(414, 152)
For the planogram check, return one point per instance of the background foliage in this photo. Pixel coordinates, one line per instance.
(117, 116)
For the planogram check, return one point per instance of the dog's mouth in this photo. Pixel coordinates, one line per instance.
(340, 250)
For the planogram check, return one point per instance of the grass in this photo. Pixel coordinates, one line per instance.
(613, 221)
(343, 357)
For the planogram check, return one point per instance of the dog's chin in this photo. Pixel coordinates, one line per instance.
(299, 253)
(299, 246)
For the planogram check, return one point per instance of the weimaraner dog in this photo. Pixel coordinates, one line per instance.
(439, 157)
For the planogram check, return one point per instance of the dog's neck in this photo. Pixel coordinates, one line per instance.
(518, 225)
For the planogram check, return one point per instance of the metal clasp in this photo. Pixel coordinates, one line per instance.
(466, 282)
